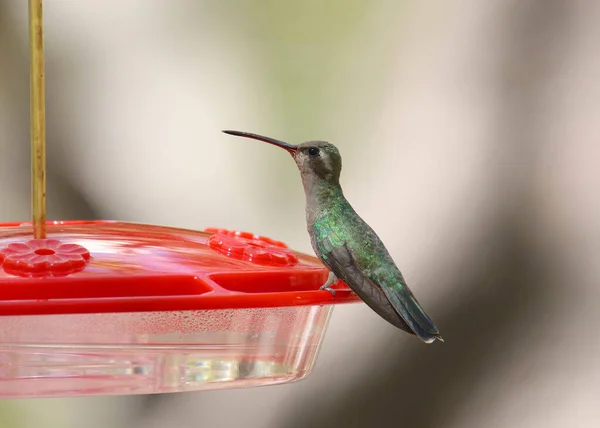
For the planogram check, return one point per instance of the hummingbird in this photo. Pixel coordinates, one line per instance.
(346, 244)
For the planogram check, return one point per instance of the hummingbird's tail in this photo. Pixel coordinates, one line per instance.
(399, 307)
(416, 318)
(411, 312)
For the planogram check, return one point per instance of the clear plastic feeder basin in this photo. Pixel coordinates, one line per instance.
(103, 308)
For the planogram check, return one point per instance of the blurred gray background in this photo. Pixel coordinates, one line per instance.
(470, 136)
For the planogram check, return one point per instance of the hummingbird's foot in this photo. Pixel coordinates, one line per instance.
(331, 290)
(331, 279)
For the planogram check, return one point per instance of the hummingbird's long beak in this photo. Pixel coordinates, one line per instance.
(286, 146)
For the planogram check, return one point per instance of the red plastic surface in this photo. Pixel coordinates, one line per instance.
(135, 267)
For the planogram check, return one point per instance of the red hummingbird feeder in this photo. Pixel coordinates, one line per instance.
(105, 307)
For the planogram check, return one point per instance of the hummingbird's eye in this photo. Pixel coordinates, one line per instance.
(314, 151)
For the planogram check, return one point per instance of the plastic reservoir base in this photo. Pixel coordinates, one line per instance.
(152, 352)
(107, 308)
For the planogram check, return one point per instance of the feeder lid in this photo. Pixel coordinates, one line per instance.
(105, 266)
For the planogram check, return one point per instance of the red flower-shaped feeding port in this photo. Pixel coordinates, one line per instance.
(43, 257)
(250, 247)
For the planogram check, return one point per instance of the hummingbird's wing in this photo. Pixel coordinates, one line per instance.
(385, 292)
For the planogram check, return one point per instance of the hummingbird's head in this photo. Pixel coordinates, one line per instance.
(319, 159)
(315, 159)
